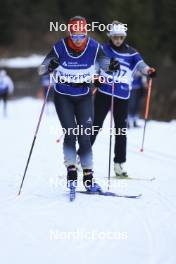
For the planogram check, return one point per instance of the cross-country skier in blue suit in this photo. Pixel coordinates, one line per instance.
(130, 60)
(75, 59)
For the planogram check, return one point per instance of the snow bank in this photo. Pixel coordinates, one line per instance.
(32, 61)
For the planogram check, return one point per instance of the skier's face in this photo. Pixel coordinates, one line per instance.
(117, 40)
(78, 38)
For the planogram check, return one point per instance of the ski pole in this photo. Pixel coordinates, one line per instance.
(35, 136)
(146, 112)
(110, 137)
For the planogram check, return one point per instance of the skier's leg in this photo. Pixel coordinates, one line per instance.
(139, 93)
(102, 104)
(0, 100)
(131, 108)
(65, 110)
(120, 119)
(84, 116)
(5, 98)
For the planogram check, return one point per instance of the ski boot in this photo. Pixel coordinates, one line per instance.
(120, 171)
(89, 183)
(72, 180)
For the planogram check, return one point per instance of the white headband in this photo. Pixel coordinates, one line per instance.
(117, 30)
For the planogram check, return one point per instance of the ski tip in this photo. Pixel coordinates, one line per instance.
(72, 198)
(152, 179)
(138, 196)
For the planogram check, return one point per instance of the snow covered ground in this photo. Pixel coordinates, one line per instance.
(42, 226)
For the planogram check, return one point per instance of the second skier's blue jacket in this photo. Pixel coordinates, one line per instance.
(123, 78)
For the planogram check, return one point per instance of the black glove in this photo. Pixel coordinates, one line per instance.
(53, 65)
(98, 81)
(152, 73)
(114, 65)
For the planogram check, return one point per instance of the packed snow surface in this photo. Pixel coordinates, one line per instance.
(42, 226)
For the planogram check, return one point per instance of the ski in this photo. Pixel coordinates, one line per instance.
(133, 178)
(72, 194)
(110, 194)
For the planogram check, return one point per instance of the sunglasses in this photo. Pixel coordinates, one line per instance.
(78, 37)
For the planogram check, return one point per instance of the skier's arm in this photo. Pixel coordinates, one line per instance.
(49, 64)
(102, 61)
(145, 69)
(108, 65)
